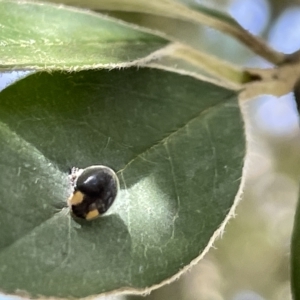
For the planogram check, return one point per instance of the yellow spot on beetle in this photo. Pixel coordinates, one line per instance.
(76, 198)
(92, 214)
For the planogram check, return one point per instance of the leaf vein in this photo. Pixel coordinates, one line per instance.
(171, 134)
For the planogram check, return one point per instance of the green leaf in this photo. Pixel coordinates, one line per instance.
(206, 53)
(197, 14)
(177, 145)
(47, 36)
(159, 7)
(295, 256)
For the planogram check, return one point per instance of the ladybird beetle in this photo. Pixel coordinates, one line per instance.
(95, 189)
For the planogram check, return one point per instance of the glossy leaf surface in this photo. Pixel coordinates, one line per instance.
(51, 37)
(177, 145)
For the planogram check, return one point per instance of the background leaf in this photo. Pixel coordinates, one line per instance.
(47, 36)
(177, 145)
(187, 11)
(295, 257)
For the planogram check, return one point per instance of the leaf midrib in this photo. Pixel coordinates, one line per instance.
(165, 139)
(121, 171)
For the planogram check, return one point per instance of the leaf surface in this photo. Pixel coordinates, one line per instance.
(177, 145)
(51, 37)
(191, 12)
(295, 255)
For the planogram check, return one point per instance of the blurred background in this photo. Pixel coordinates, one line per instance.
(251, 261)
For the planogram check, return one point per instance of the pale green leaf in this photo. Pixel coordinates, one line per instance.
(47, 36)
(295, 256)
(196, 13)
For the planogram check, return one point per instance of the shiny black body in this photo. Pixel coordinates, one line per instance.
(99, 185)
